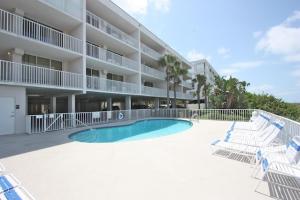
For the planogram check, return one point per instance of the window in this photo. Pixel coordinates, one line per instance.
(41, 62)
(115, 77)
(92, 72)
(29, 59)
(148, 84)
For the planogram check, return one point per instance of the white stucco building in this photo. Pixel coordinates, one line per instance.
(59, 56)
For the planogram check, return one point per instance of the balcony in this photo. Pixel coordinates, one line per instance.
(73, 7)
(20, 26)
(152, 91)
(106, 85)
(186, 84)
(12, 73)
(110, 57)
(149, 71)
(109, 29)
(150, 52)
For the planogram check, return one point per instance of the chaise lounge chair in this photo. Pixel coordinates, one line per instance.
(249, 148)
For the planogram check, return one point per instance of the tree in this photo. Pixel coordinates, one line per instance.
(229, 93)
(200, 80)
(206, 90)
(168, 61)
(176, 72)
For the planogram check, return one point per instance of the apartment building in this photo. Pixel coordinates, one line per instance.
(59, 56)
(203, 67)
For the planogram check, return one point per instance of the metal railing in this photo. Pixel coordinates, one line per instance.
(21, 26)
(106, 27)
(111, 57)
(153, 72)
(151, 52)
(73, 7)
(54, 122)
(106, 85)
(61, 121)
(17, 73)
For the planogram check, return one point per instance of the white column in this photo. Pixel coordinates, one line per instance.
(128, 103)
(53, 104)
(156, 103)
(16, 55)
(109, 104)
(71, 103)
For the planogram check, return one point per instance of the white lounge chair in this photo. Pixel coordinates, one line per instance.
(7, 182)
(17, 193)
(259, 123)
(258, 137)
(249, 149)
(2, 168)
(284, 163)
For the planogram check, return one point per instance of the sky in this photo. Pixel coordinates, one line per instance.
(257, 41)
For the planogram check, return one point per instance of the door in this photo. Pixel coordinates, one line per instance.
(7, 115)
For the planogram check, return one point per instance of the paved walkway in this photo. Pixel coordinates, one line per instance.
(176, 167)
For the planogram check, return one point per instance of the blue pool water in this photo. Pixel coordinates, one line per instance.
(139, 130)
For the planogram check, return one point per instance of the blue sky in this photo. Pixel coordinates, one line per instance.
(254, 40)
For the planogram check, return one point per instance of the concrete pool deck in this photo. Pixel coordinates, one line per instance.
(174, 167)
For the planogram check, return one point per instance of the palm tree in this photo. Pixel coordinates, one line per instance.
(200, 80)
(168, 62)
(176, 72)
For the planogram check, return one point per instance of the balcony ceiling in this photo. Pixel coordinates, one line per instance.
(9, 41)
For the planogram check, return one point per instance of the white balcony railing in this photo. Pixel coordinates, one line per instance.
(30, 29)
(106, 27)
(151, 52)
(72, 7)
(21, 74)
(106, 85)
(152, 91)
(111, 57)
(153, 72)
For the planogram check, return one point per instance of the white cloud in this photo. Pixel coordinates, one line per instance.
(161, 5)
(257, 34)
(283, 39)
(194, 55)
(141, 7)
(296, 73)
(224, 52)
(240, 66)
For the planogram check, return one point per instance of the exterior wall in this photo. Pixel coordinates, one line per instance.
(19, 94)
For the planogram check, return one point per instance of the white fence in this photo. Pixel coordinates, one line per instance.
(106, 27)
(61, 121)
(106, 85)
(111, 57)
(21, 26)
(17, 73)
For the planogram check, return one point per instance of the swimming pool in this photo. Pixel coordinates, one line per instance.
(139, 130)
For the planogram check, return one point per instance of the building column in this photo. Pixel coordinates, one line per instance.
(128, 103)
(52, 104)
(71, 103)
(17, 55)
(109, 104)
(156, 103)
